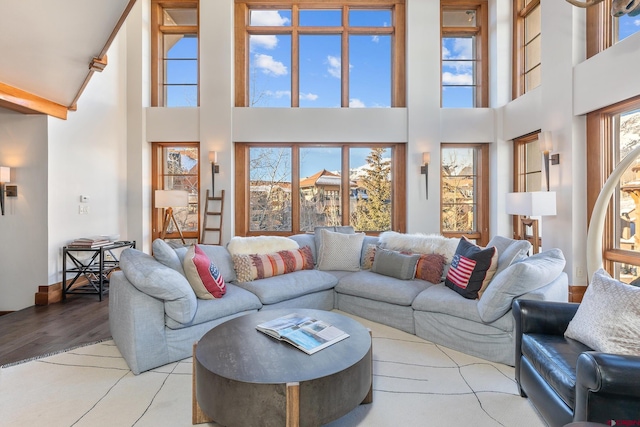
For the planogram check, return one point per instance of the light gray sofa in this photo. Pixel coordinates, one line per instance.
(155, 316)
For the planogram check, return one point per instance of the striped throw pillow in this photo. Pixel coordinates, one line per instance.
(251, 267)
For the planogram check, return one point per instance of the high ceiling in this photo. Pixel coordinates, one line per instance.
(47, 48)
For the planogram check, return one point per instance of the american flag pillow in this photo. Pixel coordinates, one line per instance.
(472, 268)
(203, 275)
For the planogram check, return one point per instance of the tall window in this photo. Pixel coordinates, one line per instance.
(174, 53)
(291, 188)
(465, 191)
(619, 126)
(176, 166)
(604, 30)
(527, 46)
(334, 53)
(527, 175)
(465, 54)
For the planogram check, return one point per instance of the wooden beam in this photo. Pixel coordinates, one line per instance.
(24, 102)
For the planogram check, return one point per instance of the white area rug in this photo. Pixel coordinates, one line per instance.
(416, 383)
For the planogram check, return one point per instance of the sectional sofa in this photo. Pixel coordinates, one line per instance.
(155, 315)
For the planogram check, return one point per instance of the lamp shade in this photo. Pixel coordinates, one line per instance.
(213, 157)
(171, 198)
(545, 141)
(536, 203)
(5, 174)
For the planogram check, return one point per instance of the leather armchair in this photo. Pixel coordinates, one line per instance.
(564, 379)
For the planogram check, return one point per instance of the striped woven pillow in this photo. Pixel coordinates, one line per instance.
(251, 267)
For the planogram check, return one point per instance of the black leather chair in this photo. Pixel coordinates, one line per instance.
(566, 380)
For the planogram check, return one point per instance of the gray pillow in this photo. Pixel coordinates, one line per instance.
(519, 278)
(395, 264)
(347, 229)
(509, 251)
(166, 255)
(608, 318)
(340, 251)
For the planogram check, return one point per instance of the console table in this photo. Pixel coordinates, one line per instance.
(95, 266)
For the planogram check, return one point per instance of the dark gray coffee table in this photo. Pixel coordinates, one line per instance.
(243, 377)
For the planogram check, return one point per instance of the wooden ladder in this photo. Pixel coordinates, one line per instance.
(208, 213)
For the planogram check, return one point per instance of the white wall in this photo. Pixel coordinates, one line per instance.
(23, 228)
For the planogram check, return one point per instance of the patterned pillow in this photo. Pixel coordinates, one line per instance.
(471, 269)
(430, 267)
(202, 274)
(608, 318)
(251, 267)
(369, 255)
(340, 251)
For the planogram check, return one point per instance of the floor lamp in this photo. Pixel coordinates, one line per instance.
(530, 204)
(167, 200)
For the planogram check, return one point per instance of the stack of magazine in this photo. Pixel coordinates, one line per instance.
(307, 334)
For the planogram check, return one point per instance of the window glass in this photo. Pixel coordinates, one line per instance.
(320, 187)
(370, 71)
(320, 71)
(269, 71)
(626, 25)
(459, 18)
(370, 188)
(533, 166)
(181, 70)
(532, 50)
(370, 18)
(270, 18)
(270, 188)
(459, 182)
(320, 18)
(179, 16)
(458, 72)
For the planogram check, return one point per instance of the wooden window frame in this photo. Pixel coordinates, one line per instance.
(600, 164)
(243, 30)
(520, 13)
(481, 234)
(481, 47)
(157, 51)
(157, 183)
(242, 211)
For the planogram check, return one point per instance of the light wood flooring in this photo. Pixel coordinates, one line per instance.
(39, 330)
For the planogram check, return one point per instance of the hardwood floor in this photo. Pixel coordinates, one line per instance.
(39, 330)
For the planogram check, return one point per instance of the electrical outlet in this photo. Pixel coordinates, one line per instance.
(83, 209)
(579, 272)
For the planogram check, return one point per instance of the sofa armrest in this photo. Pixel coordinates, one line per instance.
(607, 387)
(542, 317)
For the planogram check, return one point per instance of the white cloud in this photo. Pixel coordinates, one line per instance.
(269, 66)
(270, 18)
(334, 66)
(456, 79)
(263, 41)
(636, 22)
(356, 103)
(308, 96)
(375, 39)
(278, 93)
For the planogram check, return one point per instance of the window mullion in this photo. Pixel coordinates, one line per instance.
(344, 58)
(295, 57)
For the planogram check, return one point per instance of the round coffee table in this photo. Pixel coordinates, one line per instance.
(243, 377)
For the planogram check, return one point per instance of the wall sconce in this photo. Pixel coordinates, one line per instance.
(9, 190)
(546, 145)
(167, 200)
(424, 170)
(528, 204)
(215, 168)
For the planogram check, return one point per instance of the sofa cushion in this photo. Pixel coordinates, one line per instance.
(430, 267)
(509, 251)
(166, 255)
(251, 267)
(395, 264)
(161, 282)
(608, 318)
(518, 279)
(340, 251)
(279, 288)
(203, 274)
(471, 268)
(217, 254)
(260, 245)
(377, 287)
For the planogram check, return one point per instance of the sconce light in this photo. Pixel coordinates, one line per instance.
(9, 190)
(215, 168)
(424, 170)
(167, 200)
(546, 145)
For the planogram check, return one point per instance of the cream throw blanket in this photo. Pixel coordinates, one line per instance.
(420, 243)
(260, 245)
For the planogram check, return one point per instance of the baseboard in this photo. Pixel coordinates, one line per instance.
(576, 293)
(2, 313)
(49, 294)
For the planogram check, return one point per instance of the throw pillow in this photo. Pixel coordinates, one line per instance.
(430, 267)
(369, 255)
(203, 275)
(395, 264)
(318, 235)
(340, 251)
(608, 318)
(509, 251)
(471, 268)
(251, 267)
(519, 278)
(165, 254)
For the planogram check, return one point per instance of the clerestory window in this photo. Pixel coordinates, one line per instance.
(527, 42)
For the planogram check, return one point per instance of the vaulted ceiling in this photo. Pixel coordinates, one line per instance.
(49, 49)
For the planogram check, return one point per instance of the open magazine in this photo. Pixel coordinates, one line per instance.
(307, 334)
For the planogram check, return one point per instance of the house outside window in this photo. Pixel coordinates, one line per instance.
(174, 53)
(292, 54)
(464, 50)
(527, 36)
(293, 188)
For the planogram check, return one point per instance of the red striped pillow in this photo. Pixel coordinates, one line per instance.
(251, 267)
(202, 274)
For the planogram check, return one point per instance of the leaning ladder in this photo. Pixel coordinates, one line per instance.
(209, 211)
